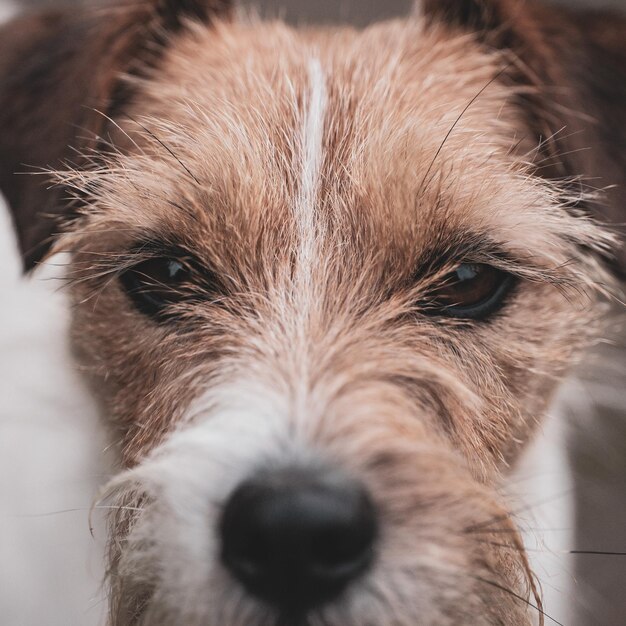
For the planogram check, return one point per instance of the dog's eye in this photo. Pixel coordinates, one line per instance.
(471, 291)
(157, 283)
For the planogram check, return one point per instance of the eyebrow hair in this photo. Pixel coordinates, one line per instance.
(441, 256)
(151, 247)
(157, 247)
(113, 263)
(468, 247)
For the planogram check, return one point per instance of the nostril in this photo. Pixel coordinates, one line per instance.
(297, 539)
(341, 550)
(344, 542)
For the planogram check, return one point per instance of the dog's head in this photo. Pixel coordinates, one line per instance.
(325, 282)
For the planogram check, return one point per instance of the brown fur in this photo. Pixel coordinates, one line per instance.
(430, 159)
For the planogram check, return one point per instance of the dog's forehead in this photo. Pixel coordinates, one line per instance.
(392, 135)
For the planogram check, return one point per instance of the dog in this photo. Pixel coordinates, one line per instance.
(325, 283)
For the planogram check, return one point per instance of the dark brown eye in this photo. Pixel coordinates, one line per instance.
(472, 291)
(156, 284)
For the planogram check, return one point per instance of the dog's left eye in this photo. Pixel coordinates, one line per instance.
(155, 284)
(471, 291)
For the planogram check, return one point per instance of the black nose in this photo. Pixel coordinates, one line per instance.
(297, 538)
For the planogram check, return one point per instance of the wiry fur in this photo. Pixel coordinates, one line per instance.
(317, 352)
(329, 179)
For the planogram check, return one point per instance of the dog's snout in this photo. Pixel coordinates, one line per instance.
(297, 539)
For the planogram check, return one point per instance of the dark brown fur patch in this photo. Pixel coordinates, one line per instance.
(59, 82)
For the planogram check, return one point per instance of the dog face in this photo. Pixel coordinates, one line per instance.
(324, 284)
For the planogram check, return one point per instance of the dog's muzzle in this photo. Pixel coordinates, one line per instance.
(297, 538)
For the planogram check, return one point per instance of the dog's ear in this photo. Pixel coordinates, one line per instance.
(571, 67)
(60, 78)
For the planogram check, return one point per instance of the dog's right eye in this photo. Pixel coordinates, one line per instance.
(156, 284)
(471, 292)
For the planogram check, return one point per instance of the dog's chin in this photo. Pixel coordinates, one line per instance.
(446, 552)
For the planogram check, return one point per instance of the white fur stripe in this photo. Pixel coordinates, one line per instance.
(312, 157)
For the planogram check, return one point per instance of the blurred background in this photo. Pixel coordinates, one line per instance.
(593, 409)
(358, 12)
